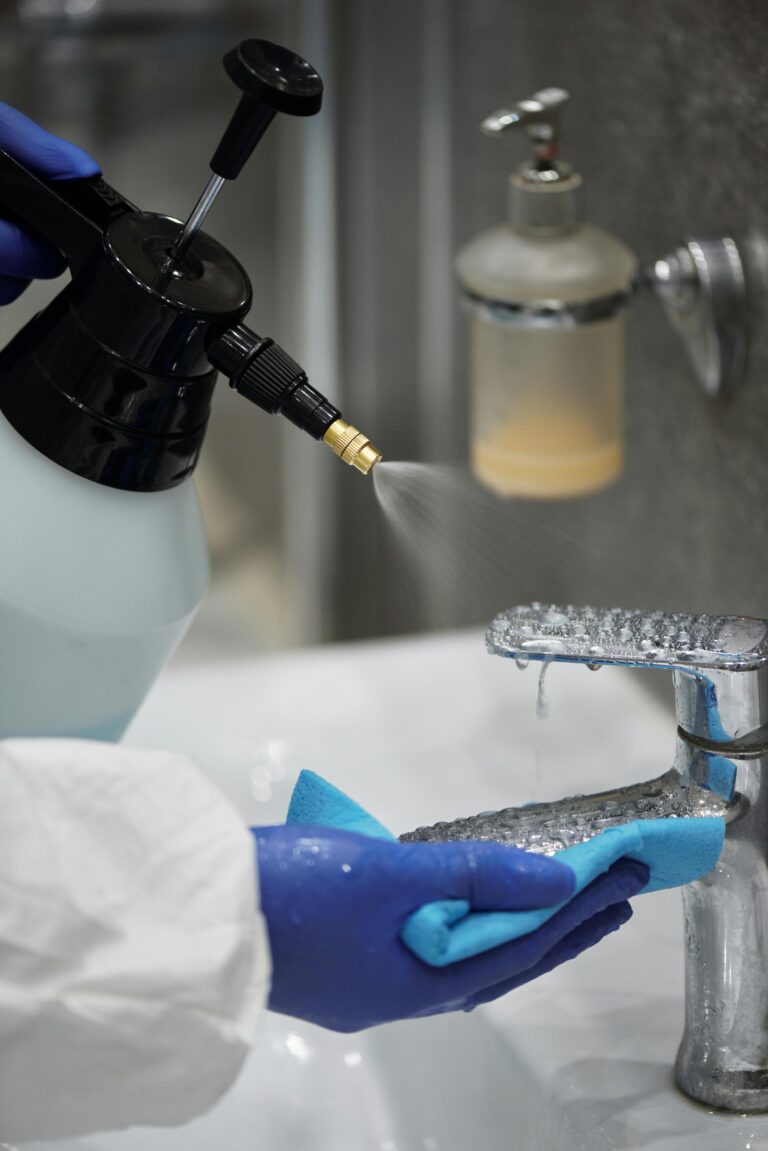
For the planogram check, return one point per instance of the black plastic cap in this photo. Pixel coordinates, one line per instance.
(273, 75)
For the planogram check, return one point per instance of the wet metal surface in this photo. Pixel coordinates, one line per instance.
(620, 636)
(545, 828)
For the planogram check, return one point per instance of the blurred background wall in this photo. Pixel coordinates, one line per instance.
(348, 225)
(666, 124)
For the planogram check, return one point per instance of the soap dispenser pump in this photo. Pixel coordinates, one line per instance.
(546, 295)
(104, 402)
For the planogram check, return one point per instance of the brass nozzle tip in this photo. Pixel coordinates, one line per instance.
(351, 446)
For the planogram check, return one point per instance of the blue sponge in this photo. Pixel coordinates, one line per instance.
(676, 851)
(316, 801)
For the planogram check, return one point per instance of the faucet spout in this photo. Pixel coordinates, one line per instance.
(720, 668)
(545, 828)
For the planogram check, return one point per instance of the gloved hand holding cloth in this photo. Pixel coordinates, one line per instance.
(336, 903)
(341, 908)
(364, 929)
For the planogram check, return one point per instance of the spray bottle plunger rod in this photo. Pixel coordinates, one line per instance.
(196, 217)
(272, 79)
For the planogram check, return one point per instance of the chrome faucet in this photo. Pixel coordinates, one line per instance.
(720, 671)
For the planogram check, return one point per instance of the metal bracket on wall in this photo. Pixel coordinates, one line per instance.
(702, 289)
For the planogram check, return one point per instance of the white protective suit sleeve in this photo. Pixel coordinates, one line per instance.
(134, 961)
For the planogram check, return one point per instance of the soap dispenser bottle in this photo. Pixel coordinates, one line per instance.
(546, 294)
(104, 402)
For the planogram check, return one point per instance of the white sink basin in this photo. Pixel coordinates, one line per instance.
(417, 731)
(305, 1089)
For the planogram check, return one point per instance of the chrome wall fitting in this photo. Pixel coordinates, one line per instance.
(702, 290)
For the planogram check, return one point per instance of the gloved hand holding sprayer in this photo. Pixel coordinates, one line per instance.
(79, 817)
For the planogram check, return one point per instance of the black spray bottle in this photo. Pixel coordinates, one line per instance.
(104, 400)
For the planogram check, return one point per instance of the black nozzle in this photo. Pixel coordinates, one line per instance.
(272, 79)
(260, 370)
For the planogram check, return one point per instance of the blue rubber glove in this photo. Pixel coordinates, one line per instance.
(24, 256)
(335, 903)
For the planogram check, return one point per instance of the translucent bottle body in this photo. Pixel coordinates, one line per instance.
(547, 358)
(97, 587)
(546, 407)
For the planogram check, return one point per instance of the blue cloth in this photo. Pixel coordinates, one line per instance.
(676, 851)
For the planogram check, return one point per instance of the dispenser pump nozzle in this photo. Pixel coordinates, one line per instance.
(540, 116)
(535, 204)
(272, 79)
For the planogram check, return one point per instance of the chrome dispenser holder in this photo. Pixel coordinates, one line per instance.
(700, 285)
(702, 289)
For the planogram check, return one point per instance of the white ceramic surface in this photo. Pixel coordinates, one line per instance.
(421, 730)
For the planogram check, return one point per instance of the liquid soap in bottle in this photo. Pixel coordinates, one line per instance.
(546, 295)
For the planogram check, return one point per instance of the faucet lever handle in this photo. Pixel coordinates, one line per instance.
(629, 638)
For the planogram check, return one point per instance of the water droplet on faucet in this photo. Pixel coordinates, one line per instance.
(543, 645)
(595, 664)
(554, 618)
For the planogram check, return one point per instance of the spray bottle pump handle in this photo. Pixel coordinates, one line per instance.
(71, 214)
(272, 79)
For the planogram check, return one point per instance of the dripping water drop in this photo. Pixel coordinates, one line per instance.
(542, 703)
